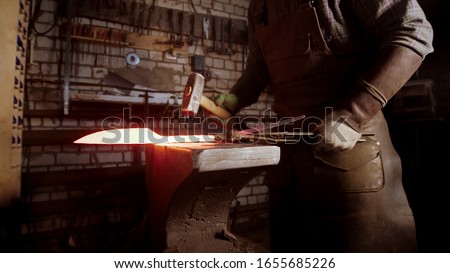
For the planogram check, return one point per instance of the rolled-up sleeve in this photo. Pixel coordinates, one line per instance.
(396, 22)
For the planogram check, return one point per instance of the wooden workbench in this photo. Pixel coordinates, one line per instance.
(191, 187)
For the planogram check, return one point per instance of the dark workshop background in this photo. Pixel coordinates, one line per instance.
(56, 196)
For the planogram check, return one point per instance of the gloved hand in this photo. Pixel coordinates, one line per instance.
(228, 102)
(336, 134)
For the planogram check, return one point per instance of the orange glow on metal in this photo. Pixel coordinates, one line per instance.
(187, 91)
(138, 136)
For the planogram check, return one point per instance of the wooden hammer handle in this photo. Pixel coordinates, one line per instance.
(210, 106)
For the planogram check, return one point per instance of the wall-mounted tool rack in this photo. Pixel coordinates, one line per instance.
(140, 24)
(114, 37)
(143, 17)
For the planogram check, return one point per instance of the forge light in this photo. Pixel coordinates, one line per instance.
(138, 136)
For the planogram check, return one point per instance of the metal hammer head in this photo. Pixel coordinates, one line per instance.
(193, 92)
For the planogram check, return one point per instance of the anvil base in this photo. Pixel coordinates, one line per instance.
(191, 187)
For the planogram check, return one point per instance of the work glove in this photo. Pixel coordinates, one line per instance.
(335, 134)
(228, 102)
(392, 69)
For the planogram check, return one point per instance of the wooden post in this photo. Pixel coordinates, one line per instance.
(13, 22)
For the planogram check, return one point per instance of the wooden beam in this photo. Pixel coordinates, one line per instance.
(158, 19)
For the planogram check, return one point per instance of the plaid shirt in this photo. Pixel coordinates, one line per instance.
(348, 27)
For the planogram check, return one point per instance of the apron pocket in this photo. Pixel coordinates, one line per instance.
(355, 170)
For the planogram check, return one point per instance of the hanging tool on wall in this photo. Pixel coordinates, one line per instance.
(191, 38)
(85, 32)
(179, 42)
(205, 23)
(230, 50)
(69, 12)
(225, 50)
(142, 7)
(171, 26)
(219, 50)
(133, 14)
(213, 33)
(222, 50)
(150, 10)
(172, 41)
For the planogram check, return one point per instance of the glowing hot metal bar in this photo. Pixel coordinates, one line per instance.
(139, 136)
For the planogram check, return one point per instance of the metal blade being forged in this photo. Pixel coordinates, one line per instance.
(264, 128)
(139, 136)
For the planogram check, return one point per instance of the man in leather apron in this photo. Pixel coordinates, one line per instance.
(341, 191)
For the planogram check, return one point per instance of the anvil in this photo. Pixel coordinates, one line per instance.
(192, 182)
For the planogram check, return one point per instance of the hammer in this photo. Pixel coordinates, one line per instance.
(193, 98)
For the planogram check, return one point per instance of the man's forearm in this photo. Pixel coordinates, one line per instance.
(394, 67)
(253, 81)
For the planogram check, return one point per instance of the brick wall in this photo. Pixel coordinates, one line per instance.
(54, 154)
(91, 67)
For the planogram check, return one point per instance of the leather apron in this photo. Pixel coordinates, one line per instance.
(350, 201)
